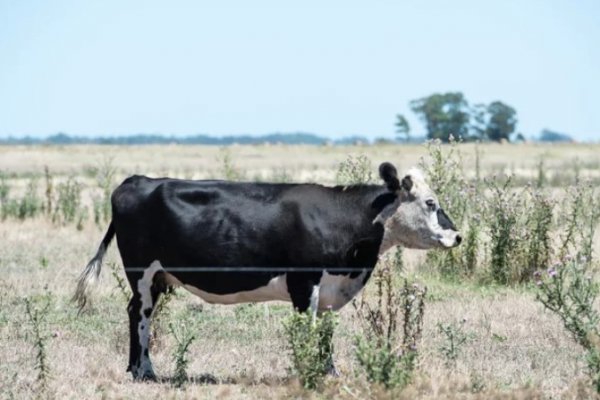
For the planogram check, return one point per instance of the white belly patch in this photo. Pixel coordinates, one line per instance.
(335, 291)
(276, 289)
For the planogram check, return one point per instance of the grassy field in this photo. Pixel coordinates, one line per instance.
(513, 349)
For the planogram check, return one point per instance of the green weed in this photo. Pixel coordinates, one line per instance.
(105, 176)
(454, 338)
(228, 170)
(49, 192)
(391, 328)
(37, 312)
(68, 207)
(184, 334)
(122, 285)
(311, 346)
(504, 210)
(4, 192)
(30, 204)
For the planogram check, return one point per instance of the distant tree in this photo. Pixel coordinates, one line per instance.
(383, 141)
(443, 114)
(402, 127)
(478, 122)
(502, 120)
(60, 138)
(550, 136)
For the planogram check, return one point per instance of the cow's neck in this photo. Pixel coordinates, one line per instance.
(385, 219)
(372, 206)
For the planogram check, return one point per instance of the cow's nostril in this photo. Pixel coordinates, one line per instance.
(458, 239)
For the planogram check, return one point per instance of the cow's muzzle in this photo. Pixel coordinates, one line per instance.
(457, 240)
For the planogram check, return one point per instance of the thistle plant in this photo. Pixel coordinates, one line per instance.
(184, 335)
(160, 316)
(391, 329)
(454, 338)
(36, 310)
(539, 223)
(569, 290)
(504, 209)
(121, 283)
(444, 168)
(354, 170)
(311, 346)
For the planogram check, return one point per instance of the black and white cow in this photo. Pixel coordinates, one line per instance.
(233, 242)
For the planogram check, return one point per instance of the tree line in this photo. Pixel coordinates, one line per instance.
(450, 114)
(443, 114)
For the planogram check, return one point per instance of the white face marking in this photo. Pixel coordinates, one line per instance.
(337, 290)
(143, 286)
(411, 222)
(276, 289)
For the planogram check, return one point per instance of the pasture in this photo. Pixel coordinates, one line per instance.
(54, 216)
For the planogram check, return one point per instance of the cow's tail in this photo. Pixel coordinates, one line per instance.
(92, 271)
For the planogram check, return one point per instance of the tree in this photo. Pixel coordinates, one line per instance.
(551, 136)
(479, 122)
(502, 121)
(444, 115)
(402, 127)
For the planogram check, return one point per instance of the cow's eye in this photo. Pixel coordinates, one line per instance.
(430, 204)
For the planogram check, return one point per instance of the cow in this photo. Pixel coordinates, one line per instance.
(233, 242)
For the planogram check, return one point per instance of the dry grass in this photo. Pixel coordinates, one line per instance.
(304, 163)
(515, 350)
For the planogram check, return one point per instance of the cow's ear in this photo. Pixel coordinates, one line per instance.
(388, 173)
(407, 183)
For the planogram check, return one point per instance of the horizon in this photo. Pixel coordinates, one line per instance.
(335, 70)
(290, 138)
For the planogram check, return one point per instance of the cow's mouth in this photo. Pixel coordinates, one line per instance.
(449, 243)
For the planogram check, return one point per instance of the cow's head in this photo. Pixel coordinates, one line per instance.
(416, 220)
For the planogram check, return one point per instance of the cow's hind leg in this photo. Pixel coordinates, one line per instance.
(147, 289)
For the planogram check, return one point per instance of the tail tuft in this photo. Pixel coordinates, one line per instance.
(92, 271)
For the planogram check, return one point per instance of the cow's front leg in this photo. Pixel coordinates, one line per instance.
(140, 310)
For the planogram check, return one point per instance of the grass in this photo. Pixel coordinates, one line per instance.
(516, 348)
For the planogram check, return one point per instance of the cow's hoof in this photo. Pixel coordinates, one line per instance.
(145, 376)
(333, 371)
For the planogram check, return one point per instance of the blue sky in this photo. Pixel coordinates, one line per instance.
(335, 68)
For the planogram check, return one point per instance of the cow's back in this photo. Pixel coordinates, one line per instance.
(218, 223)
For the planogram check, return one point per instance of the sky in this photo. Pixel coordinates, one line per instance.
(335, 68)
